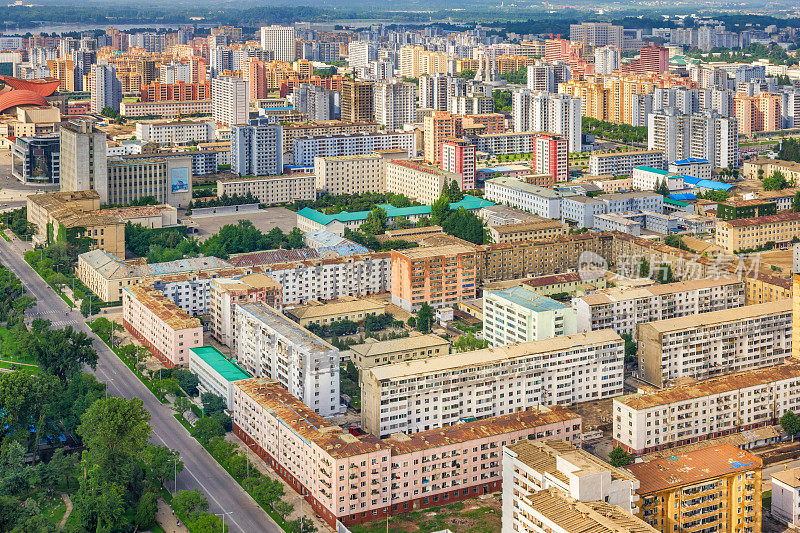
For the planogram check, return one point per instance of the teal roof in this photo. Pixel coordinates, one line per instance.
(674, 202)
(229, 370)
(651, 169)
(469, 202)
(530, 300)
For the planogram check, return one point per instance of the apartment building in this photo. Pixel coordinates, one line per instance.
(761, 112)
(354, 479)
(326, 279)
(166, 329)
(735, 209)
(438, 275)
(256, 150)
(653, 419)
(226, 293)
(557, 113)
(717, 488)
(533, 466)
(538, 200)
(567, 283)
(270, 345)
(441, 125)
(306, 149)
(417, 180)
(324, 314)
(350, 174)
(357, 101)
(755, 233)
(458, 157)
(374, 352)
(621, 309)
(425, 394)
(106, 275)
(719, 342)
(167, 178)
(516, 314)
(550, 511)
(165, 108)
(758, 167)
(175, 133)
(325, 127)
(580, 210)
(513, 260)
(527, 231)
(703, 135)
(617, 164)
(395, 104)
(271, 190)
(83, 158)
(230, 100)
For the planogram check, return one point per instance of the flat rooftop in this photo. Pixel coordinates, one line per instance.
(347, 305)
(585, 517)
(623, 294)
(415, 342)
(721, 317)
(528, 299)
(436, 251)
(541, 456)
(286, 327)
(680, 393)
(689, 468)
(226, 368)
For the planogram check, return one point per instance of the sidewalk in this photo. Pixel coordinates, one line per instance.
(167, 519)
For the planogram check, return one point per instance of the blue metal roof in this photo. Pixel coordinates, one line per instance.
(689, 161)
(683, 196)
(530, 300)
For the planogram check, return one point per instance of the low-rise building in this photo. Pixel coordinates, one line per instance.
(568, 283)
(659, 419)
(270, 190)
(374, 352)
(711, 344)
(215, 373)
(37, 159)
(497, 215)
(621, 163)
(786, 496)
(306, 149)
(350, 174)
(532, 466)
(226, 293)
(735, 209)
(691, 166)
(270, 345)
(353, 479)
(324, 314)
(515, 193)
(175, 133)
(516, 314)
(580, 210)
(165, 108)
(617, 222)
(755, 169)
(717, 488)
(758, 232)
(648, 179)
(430, 393)
(417, 180)
(166, 329)
(438, 275)
(621, 309)
(527, 231)
(164, 176)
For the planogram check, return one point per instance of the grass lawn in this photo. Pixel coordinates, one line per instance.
(9, 349)
(470, 516)
(52, 507)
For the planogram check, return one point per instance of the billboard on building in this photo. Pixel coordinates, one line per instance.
(179, 177)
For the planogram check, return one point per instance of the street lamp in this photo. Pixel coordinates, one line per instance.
(222, 514)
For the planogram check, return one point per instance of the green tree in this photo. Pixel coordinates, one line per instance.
(796, 202)
(100, 502)
(630, 347)
(644, 268)
(206, 428)
(212, 403)
(440, 210)
(424, 318)
(376, 222)
(190, 504)
(187, 380)
(790, 423)
(207, 523)
(775, 182)
(146, 509)
(181, 405)
(664, 273)
(423, 222)
(283, 509)
(295, 238)
(619, 457)
(454, 193)
(61, 352)
(162, 463)
(302, 525)
(464, 225)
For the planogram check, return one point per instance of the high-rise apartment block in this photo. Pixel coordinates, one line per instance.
(106, 89)
(83, 158)
(357, 101)
(545, 112)
(230, 100)
(597, 34)
(458, 157)
(270, 345)
(606, 59)
(704, 135)
(280, 40)
(395, 104)
(257, 150)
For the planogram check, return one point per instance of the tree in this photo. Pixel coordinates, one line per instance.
(619, 457)
(190, 504)
(775, 182)
(212, 402)
(146, 509)
(100, 503)
(790, 423)
(283, 509)
(662, 188)
(796, 202)
(264, 490)
(206, 428)
(61, 352)
(664, 273)
(187, 380)
(440, 210)
(644, 268)
(376, 222)
(423, 222)
(630, 347)
(162, 462)
(295, 238)
(302, 525)
(181, 405)
(207, 523)
(464, 225)
(424, 318)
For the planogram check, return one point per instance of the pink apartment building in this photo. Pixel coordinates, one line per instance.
(354, 479)
(166, 329)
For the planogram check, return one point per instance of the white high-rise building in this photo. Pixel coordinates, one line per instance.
(229, 100)
(175, 72)
(105, 87)
(280, 40)
(318, 102)
(553, 113)
(360, 53)
(703, 135)
(84, 164)
(606, 59)
(257, 150)
(395, 104)
(270, 345)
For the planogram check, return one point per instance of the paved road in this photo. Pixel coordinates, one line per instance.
(200, 469)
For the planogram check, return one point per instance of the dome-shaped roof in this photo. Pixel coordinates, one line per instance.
(11, 99)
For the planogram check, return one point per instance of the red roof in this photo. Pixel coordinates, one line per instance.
(16, 98)
(42, 87)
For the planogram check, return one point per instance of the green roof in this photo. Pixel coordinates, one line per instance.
(674, 202)
(651, 169)
(226, 368)
(468, 202)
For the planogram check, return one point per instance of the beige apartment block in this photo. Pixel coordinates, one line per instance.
(270, 190)
(374, 352)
